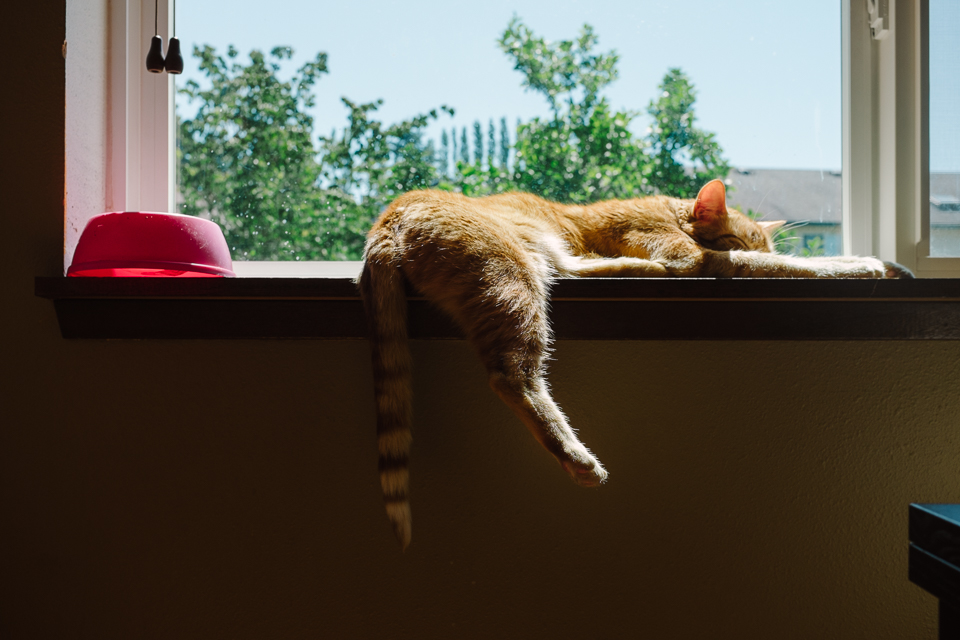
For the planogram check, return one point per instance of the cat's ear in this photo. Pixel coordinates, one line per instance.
(769, 227)
(711, 204)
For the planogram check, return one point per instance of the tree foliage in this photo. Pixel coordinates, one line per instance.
(250, 161)
(585, 151)
(247, 158)
(683, 157)
(370, 164)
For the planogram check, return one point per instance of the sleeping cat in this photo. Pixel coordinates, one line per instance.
(489, 263)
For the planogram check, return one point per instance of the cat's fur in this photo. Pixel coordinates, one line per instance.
(489, 263)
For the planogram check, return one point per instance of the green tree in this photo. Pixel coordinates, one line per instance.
(464, 149)
(504, 145)
(370, 164)
(683, 157)
(442, 164)
(586, 150)
(248, 161)
(453, 150)
(477, 143)
(491, 144)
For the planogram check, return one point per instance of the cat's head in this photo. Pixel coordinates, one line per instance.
(714, 226)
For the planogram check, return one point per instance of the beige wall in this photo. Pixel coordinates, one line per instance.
(228, 489)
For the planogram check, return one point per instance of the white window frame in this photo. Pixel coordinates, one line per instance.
(886, 177)
(930, 266)
(120, 119)
(120, 131)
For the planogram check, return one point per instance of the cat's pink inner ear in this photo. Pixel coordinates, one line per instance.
(711, 202)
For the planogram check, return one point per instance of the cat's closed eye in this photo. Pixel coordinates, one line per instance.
(726, 242)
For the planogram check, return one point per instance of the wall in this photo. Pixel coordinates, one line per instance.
(228, 489)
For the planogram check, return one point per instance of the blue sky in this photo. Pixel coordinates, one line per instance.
(944, 85)
(767, 72)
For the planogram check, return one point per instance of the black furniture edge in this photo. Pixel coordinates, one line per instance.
(934, 559)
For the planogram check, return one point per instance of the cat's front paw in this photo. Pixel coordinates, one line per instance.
(587, 474)
(894, 270)
(850, 267)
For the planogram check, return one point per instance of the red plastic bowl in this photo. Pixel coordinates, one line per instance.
(138, 244)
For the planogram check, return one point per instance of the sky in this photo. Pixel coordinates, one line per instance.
(767, 72)
(944, 85)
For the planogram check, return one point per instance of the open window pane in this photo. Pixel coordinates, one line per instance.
(944, 128)
(296, 149)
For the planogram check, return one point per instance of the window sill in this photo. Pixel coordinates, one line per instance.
(582, 309)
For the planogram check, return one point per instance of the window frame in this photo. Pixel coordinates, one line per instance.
(938, 266)
(120, 121)
(119, 118)
(886, 164)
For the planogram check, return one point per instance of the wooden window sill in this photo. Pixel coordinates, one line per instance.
(581, 309)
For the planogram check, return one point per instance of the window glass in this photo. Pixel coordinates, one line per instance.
(944, 128)
(299, 121)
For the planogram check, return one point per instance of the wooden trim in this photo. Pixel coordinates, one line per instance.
(582, 309)
(581, 289)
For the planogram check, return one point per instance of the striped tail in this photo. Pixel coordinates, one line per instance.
(385, 302)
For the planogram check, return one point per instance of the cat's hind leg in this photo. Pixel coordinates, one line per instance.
(531, 401)
(508, 326)
(498, 295)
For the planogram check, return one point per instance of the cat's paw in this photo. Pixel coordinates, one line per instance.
(587, 474)
(894, 270)
(851, 267)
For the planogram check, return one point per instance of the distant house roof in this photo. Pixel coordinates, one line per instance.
(786, 194)
(801, 195)
(945, 199)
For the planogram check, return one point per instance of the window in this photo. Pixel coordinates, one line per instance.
(771, 139)
(944, 92)
(119, 117)
(876, 196)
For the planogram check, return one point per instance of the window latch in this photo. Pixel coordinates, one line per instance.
(878, 12)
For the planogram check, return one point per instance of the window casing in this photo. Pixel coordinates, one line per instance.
(120, 118)
(120, 130)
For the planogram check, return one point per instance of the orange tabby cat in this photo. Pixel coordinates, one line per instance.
(489, 263)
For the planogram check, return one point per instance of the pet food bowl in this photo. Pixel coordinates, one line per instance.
(146, 244)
